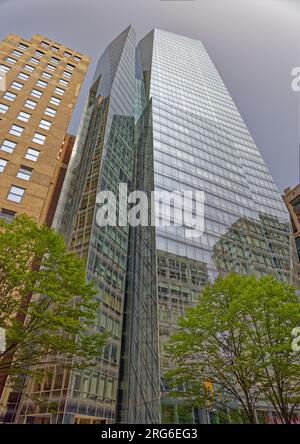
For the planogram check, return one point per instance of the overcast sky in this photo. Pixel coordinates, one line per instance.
(253, 43)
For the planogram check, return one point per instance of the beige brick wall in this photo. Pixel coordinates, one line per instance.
(39, 189)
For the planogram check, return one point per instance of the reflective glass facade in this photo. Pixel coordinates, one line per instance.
(158, 117)
(103, 157)
(200, 142)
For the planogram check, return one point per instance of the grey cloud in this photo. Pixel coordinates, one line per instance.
(253, 43)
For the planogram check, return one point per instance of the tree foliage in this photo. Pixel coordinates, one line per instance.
(47, 308)
(238, 338)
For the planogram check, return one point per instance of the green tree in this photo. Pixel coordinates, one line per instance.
(239, 338)
(272, 310)
(47, 309)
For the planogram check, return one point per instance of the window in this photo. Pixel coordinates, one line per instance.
(7, 215)
(67, 74)
(63, 82)
(16, 130)
(23, 76)
(9, 96)
(34, 60)
(24, 116)
(45, 44)
(36, 93)
(15, 194)
(10, 60)
(55, 60)
(42, 84)
(39, 138)
(32, 154)
(77, 59)
(17, 85)
(55, 101)
(39, 53)
(3, 163)
(23, 46)
(17, 53)
(67, 54)
(55, 48)
(29, 68)
(46, 75)
(3, 108)
(24, 173)
(50, 112)
(45, 124)
(59, 91)
(70, 67)
(4, 68)
(8, 146)
(30, 104)
(51, 68)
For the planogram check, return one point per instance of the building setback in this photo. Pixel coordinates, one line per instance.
(158, 117)
(59, 175)
(43, 81)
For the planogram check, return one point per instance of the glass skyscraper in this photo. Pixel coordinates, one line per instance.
(158, 117)
(200, 142)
